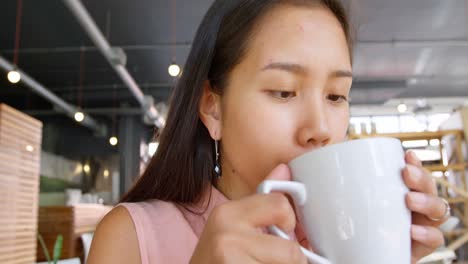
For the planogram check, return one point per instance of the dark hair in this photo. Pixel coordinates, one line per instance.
(183, 165)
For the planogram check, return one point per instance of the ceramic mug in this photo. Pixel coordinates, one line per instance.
(351, 198)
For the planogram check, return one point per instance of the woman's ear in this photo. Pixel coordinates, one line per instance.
(210, 111)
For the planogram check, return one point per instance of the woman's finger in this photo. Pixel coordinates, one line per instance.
(428, 236)
(266, 248)
(419, 251)
(258, 211)
(428, 205)
(420, 219)
(412, 159)
(418, 179)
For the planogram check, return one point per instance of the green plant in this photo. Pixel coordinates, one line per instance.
(57, 248)
(47, 185)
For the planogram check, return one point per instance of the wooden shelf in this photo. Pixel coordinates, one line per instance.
(455, 167)
(412, 135)
(454, 190)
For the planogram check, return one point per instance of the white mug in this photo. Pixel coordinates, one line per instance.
(352, 201)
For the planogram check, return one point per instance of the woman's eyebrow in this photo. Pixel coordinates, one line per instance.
(300, 69)
(285, 66)
(342, 74)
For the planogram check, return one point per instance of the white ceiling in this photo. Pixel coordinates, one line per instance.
(409, 49)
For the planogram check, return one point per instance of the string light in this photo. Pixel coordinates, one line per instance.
(113, 141)
(79, 117)
(106, 174)
(174, 70)
(402, 108)
(86, 168)
(14, 76)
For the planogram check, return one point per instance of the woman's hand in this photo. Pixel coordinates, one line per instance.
(424, 204)
(233, 232)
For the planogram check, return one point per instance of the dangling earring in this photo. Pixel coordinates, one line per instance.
(217, 167)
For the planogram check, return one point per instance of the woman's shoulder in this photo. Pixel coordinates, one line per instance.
(149, 208)
(115, 233)
(145, 232)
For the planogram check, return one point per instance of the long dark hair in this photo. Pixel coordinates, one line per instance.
(183, 165)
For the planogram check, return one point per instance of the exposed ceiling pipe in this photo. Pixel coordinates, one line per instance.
(117, 59)
(126, 111)
(154, 46)
(60, 104)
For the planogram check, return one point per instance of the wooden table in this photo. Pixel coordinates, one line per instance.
(71, 222)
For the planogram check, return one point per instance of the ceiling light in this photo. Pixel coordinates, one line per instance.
(402, 108)
(14, 76)
(86, 168)
(174, 70)
(106, 174)
(113, 141)
(79, 116)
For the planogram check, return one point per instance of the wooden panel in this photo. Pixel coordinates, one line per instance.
(22, 260)
(17, 248)
(19, 241)
(71, 222)
(19, 185)
(14, 234)
(16, 132)
(7, 111)
(10, 153)
(14, 256)
(52, 222)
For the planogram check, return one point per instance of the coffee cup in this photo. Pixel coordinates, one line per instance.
(351, 202)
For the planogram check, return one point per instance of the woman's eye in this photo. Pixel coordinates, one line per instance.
(283, 95)
(337, 98)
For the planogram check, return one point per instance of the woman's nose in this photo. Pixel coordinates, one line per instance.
(314, 131)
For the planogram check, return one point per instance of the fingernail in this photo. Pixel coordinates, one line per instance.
(415, 158)
(414, 173)
(418, 232)
(418, 198)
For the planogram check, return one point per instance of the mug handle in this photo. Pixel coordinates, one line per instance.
(298, 192)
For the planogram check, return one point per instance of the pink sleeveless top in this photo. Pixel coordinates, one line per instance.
(168, 233)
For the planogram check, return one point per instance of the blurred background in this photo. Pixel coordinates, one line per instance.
(84, 87)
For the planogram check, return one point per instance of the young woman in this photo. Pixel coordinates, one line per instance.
(265, 81)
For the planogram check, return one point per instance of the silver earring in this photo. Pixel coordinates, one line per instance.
(217, 167)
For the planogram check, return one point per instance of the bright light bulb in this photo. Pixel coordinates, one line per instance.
(86, 168)
(152, 148)
(106, 174)
(162, 121)
(29, 148)
(78, 169)
(402, 108)
(14, 76)
(79, 116)
(174, 70)
(434, 142)
(113, 141)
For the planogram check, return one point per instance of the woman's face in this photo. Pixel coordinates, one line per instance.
(289, 95)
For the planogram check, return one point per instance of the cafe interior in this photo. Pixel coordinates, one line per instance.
(85, 86)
